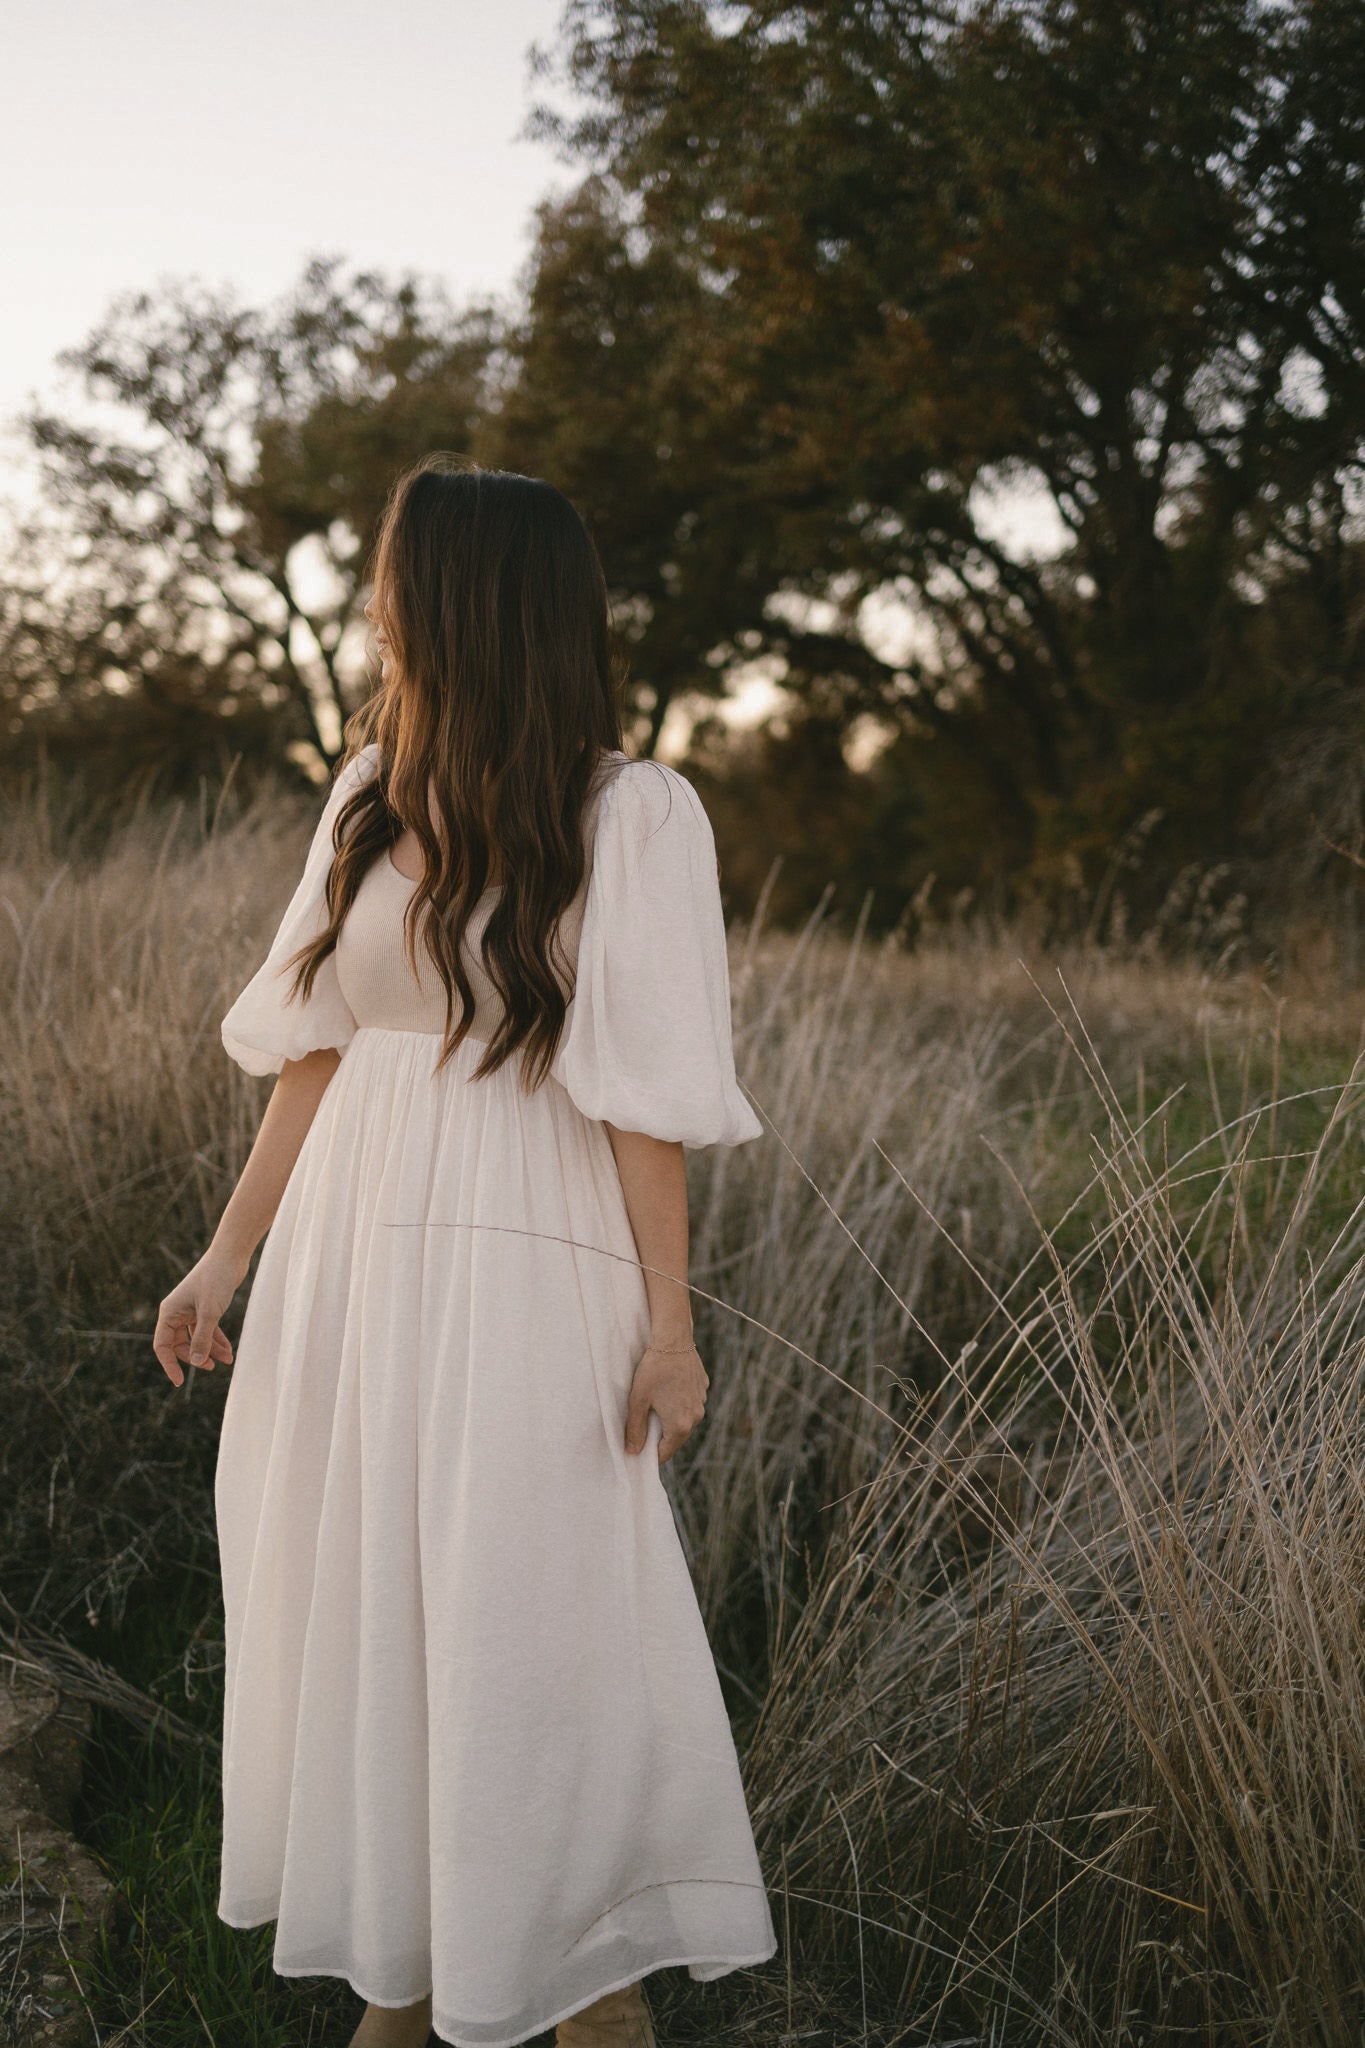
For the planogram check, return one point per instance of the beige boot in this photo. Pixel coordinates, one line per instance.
(620, 2020)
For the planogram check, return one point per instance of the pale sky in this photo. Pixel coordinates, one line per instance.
(160, 139)
(174, 138)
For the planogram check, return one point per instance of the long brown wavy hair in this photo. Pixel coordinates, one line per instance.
(503, 692)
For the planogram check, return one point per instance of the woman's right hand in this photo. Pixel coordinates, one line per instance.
(187, 1326)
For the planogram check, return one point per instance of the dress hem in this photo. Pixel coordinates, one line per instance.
(698, 1965)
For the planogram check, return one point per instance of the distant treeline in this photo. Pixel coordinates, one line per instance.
(832, 276)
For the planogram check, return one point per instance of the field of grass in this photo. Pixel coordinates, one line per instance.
(1028, 1518)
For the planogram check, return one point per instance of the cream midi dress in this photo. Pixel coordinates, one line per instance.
(474, 1743)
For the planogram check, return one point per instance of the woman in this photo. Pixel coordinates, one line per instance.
(475, 1754)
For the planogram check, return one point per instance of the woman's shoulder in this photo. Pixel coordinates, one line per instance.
(357, 767)
(351, 773)
(639, 795)
(615, 770)
(649, 793)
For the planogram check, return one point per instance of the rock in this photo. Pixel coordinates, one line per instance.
(54, 1899)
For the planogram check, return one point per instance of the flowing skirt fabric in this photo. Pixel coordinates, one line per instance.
(474, 1740)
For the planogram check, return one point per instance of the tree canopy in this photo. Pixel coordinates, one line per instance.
(1113, 253)
(836, 282)
(216, 515)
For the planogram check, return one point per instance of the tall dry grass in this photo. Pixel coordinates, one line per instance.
(1029, 1514)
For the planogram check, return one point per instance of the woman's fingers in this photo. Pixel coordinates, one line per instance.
(188, 1332)
(166, 1341)
(673, 1383)
(206, 1340)
(637, 1414)
(671, 1440)
(677, 1428)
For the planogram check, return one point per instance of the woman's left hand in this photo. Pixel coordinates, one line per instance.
(672, 1380)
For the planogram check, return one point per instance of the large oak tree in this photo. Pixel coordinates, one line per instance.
(840, 270)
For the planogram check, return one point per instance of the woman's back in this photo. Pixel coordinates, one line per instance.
(376, 976)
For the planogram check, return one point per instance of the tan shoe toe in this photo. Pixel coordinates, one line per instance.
(619, 2020)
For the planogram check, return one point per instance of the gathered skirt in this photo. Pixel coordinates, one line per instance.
(474, 1743)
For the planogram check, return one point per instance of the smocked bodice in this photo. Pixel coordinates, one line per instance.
(376, 976)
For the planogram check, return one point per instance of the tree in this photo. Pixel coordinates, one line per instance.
(908, 251)
(220, 513)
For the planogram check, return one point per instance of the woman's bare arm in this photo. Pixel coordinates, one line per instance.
(187, 1326)
(288, 1116)
(670, 1377)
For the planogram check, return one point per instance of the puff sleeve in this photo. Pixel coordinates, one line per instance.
(647, 1038)
(262, 1030)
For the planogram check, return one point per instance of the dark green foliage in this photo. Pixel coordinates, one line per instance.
(914, 252)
